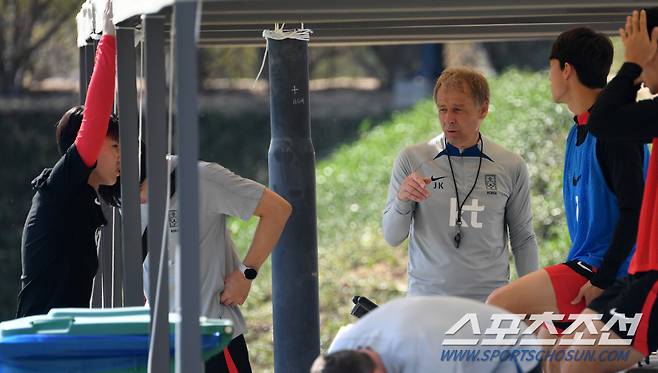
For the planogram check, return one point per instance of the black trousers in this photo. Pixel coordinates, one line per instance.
(237, 355)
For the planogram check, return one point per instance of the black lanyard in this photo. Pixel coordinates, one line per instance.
(458, 223)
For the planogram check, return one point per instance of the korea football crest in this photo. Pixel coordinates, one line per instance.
(490, 182)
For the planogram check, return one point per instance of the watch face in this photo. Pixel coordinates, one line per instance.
(250, 273)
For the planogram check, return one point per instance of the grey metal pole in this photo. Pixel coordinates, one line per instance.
(87, 54)
(117, 270)
(105, 258)
(156, 166)
(133, 293)
(82, 72)
(292, 175)
(188, 337)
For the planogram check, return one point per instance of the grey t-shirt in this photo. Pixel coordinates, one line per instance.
(500, 203)
(409, 333)
(222, 194)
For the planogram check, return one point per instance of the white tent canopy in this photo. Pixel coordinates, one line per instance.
(340, 22)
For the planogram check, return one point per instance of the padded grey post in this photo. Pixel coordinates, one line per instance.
(156, 166)
(295, 299)
(131, 253)
(188, 337)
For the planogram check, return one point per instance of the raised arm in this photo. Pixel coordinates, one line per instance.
(616, 115)
(100, 95)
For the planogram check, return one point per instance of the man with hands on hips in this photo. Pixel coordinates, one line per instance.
(225, 280)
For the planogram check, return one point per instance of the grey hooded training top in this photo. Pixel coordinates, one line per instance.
(499, 205)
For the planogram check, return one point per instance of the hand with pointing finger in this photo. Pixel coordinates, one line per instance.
(413, 188)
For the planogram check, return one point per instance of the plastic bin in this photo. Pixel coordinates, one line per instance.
(92, 340)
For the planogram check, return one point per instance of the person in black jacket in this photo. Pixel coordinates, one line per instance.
(60, 235)
(636, 294)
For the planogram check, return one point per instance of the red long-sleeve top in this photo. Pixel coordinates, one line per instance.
(98, 103)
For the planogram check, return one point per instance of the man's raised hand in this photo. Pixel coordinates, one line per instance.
(413, 188)
(639, 48)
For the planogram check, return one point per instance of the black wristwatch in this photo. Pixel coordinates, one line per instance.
(249, 273)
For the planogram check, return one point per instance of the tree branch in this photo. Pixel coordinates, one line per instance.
(27, 52)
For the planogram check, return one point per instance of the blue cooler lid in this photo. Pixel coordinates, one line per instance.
(93, 340)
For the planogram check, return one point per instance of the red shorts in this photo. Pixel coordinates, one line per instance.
(567, 279)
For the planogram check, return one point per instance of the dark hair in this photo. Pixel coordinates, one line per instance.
(65, 133)
(345, 361)
(69, 126)
(590, 54)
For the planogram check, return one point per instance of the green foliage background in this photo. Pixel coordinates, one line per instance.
(352, 173)
(351, 192)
